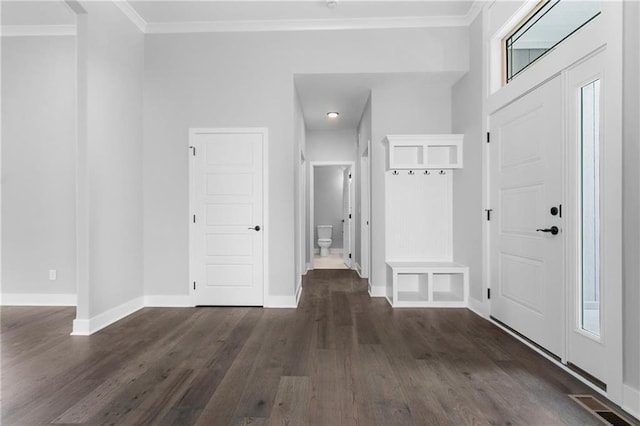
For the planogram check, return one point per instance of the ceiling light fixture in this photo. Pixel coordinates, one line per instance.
(332, 3)
(333, 114)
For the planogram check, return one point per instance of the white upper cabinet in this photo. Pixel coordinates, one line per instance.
(424, 152)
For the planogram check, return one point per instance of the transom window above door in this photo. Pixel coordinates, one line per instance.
(551, 22)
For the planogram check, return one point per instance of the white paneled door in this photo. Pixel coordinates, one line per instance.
(527, 242)
(227, 226)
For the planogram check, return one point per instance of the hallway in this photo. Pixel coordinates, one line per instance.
(340, 358)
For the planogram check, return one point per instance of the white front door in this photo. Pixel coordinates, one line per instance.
(527, 290)
(227, 227)
(346, 217)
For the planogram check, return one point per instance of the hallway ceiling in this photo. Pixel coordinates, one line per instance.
(348, 94)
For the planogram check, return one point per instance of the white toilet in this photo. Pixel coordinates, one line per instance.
(324, 239)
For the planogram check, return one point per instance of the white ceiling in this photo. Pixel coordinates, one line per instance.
(240, 10)
(52, 12)
(160, 16)
(348, 93)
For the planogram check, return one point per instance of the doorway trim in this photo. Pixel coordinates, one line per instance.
(365, 206)
(312, 166)
(193, 132)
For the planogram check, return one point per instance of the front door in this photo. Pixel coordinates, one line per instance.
(227, 226)
(526, 149)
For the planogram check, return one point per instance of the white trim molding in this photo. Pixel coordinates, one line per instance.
(298, 293)
(37, 30)
(38, 299)
(307, 24)
(86, 327)
(281, 302)
(631, 401)
(375, 291)
(479, 307)
(167, 301)
(132, 14)
(383, 22)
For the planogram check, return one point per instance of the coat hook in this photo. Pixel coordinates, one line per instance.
(395, 173)
(427, 172)
(442, 172)
(411, 172)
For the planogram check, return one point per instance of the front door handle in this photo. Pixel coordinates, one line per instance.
(255, 228)
(554, 230)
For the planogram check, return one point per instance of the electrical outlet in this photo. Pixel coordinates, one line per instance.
(53, 274)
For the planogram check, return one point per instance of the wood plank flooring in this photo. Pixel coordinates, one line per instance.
(341, 358)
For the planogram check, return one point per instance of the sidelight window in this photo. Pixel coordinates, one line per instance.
(590, 206)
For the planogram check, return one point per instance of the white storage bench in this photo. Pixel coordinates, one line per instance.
(418, 284)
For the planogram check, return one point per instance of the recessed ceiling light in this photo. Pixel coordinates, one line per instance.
(333, 114)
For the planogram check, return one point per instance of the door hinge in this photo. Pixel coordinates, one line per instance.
(488, 213)
(488, 137)
(349, 215)
(488, 293)
(194, 218)
(194, 285)
(349, 175)
(349, 255)
(193, 150)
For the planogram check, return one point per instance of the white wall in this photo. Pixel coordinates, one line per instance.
(468, 212)
(631, 195)
(398, 109)
(328, 185)
(38, 167)
(332, 145)
(111, 54)
(246, 80)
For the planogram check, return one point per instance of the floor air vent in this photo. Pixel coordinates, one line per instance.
(603, 412)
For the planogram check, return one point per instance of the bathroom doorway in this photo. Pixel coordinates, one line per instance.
(331, 215)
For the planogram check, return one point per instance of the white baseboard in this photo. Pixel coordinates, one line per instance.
(309, 267)
(85, 327)
(377, 291)
(478, 307)
(359, 271)
(299, 292)
(38, 299)
(281, 302)
(631, 401)
(168, 301)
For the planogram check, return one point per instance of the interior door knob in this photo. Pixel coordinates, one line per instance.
(554, 230)
(256, 228)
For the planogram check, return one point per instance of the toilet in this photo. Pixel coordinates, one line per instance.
(324, 239)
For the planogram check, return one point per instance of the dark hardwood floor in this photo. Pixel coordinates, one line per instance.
(341, 358)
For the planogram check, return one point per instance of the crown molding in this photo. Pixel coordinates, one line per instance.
(474, 11)
(131, 13)
(308, 24)
(299, 24)
(37, 30)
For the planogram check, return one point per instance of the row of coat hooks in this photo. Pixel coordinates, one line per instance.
(426, 172)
